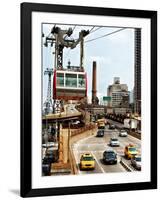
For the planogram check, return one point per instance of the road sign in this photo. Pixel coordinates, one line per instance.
(106, 98)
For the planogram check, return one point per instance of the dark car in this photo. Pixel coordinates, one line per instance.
(100, 133)
(109, 157)
(52, 154)
(112, 126)
(46, 166)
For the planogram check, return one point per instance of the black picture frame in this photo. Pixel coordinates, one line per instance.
(26, 103)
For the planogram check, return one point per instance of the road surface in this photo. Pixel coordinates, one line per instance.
(97, 145)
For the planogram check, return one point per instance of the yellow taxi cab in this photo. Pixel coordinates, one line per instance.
(87, 161)
(130, 151)
(101, 123)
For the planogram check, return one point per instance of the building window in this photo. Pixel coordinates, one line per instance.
(71, 80)
(60, 80)
(81, 81)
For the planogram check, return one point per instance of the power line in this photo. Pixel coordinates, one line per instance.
(95, 29)
(105, 35)
(91, 29)
(74, 27)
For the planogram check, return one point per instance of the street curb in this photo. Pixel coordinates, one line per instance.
(125, 166)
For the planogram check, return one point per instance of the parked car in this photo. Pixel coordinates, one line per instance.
(49, 144)
(87, 161)
(136, 162)
(52, 154)
(114, 142)
(130, 151)
(100, 133)
(112, 126)
(46, 166)
(123, 133)
(110, 157)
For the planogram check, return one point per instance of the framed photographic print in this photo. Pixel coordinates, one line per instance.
(88, 99)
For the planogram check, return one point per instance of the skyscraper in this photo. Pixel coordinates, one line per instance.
(119, 96)
(137, 74)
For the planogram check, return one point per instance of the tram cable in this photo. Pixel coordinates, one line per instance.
(91, 29)
(96, 29)
(105, 35)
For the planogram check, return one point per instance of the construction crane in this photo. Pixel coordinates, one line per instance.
(48, 102)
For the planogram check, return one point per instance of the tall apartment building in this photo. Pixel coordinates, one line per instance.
(137, 73)
(119, 96)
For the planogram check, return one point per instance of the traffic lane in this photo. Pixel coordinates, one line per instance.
(123, 140)
(100, 166)
(119, 125)
(103, 142)
(97, 145)
(130, 140)
(97, 151)
(89, 146)
(116, 123)
(106, 168)
(92, 140)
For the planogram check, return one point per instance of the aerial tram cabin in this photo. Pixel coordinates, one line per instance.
(69, 84)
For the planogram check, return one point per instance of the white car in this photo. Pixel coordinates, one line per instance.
(76, 122)
(50, 145)
(123, 133)
(114, 142)
(136, 162)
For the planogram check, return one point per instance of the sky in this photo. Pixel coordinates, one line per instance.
(114, 55)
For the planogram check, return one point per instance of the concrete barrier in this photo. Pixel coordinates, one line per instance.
(82, 134)
(125, 166)
(74, 167)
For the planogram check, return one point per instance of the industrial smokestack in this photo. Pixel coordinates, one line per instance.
(94, 84)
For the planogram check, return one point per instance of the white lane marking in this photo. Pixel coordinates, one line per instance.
(98, 163)
(102, 144)
(119, 151)
(83, 151)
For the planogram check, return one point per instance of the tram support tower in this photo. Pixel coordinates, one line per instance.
(49, 72)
